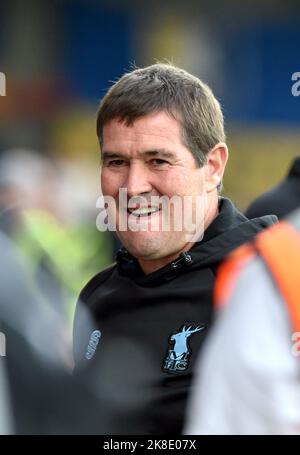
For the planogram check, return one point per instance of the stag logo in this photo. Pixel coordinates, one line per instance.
(177, 359)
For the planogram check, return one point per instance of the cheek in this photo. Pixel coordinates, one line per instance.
(182, 183)
(110, 183)
(170, 183)
(195, 183)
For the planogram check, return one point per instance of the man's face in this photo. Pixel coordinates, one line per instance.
(149, 159)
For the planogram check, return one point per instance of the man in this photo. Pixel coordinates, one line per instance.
(162, 142)
(248, 378)
(282, 199)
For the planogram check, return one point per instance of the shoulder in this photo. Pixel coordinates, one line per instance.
(276, 201)
(95, 282)
(256, 313)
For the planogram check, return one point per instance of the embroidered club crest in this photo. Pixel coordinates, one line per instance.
(177, 358)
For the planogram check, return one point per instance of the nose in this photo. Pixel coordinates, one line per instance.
(138, 180)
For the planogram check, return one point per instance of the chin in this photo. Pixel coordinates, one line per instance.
(143, 247)
(143, 251)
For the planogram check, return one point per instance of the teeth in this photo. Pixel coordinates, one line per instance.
(143, 211)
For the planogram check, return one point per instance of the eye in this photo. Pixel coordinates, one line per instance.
(158, 162)
(116, 163)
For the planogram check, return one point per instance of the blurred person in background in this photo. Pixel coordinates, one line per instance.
(50, 223)
(38, 394)
(248, 379)
(41, 396)
(162, 134)
(282, 199)
(5, 409)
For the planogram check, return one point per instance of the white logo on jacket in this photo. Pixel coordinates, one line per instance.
(93, 344)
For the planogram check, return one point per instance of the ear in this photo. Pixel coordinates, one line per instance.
(216, 160)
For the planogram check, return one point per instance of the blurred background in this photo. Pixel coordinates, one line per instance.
(59, 58)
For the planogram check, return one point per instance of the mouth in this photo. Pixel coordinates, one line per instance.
(140, 212)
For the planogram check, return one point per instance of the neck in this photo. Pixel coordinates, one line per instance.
(151, 265)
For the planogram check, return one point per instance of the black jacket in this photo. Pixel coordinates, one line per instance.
(280, 200)
(148, 329)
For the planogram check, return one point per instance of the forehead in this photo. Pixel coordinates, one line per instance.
(151, 131)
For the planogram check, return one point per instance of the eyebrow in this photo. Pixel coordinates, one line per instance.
(106, 155)
(157, 152)
(161, 152)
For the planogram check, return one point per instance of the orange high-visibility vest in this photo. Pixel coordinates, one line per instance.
(279, 247)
